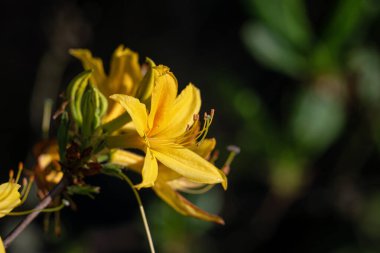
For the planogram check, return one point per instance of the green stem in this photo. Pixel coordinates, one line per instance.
(45, 210)
(147, 230)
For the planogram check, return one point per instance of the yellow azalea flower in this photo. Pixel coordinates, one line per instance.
(10, 196)
(125, 76)
(162, 133)
(169, 184)
(2, 249)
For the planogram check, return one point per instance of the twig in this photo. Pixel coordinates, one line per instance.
(28, 219)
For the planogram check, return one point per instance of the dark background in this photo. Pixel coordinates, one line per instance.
(285, 193)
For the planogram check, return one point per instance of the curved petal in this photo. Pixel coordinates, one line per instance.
(188, 164)
(2, 249)
(163, 96)
(89, 62)
(125, 72)
(127, 159)
(136, 110)
(149, 171)
(205, 147)
(9, 197)
(182, 205)
(186, 105)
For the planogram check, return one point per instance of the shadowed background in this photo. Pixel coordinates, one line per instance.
(295, 84)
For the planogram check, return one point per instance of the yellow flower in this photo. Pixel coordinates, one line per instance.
(125, 76)
(162, 133)
(10, 197)
(169, 184)
(2, 249)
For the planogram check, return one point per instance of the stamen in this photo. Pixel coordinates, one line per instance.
(24, 186)
(20, 168)
(29, 186)
(214, 157)
(11, 175)
(193, 135)
(234, 150)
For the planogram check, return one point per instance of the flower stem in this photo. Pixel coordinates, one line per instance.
(28, 219)
(145, 221)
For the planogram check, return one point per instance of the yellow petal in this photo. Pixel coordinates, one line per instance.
(186, 105)
(127, 159)
(188, 164)
(2, 249)
(163, 96)
(129, 139)
(125, 72)
(9, 197)
(136, 110)
(182, 205)
(90, 62)
(149, 171)
(204, 148)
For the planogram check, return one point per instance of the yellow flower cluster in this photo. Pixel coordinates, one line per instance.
(165, 126)
(169, 132)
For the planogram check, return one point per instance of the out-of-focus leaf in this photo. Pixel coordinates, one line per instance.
(370, 218)
(347, 19)
(365, 63)
(285, 17)
(272, 50)
(316, 121)
(287, 174)
(257, 124)
(323, 59)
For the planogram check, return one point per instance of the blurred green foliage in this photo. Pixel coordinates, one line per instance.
(335, 100)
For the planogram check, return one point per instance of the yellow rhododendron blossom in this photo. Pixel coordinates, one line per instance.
(162, 132)
(125, 76)
(169, 184)
(2, 249)
(10, 196)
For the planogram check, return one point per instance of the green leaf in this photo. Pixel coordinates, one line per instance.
(287, 18)
(316, 122)
(365, 62)
(86, 190)
(63, 135)
(348, 18)
(272, 50)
